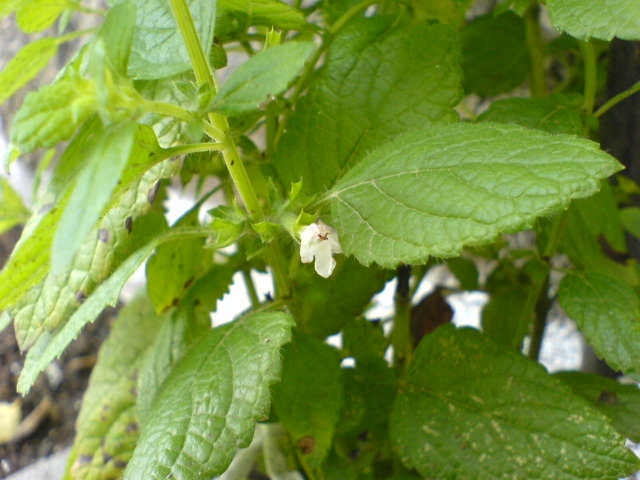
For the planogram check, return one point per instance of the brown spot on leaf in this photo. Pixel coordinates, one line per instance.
(153, 192)
(106, 458)
(120, 464)
(84, 460)
(103, 235)
(608, 397)
(307, 444)
(128, 224)
(131, 427)
(81, 296)
(189, 282)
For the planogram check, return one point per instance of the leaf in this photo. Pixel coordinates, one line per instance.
(51, 345)
(91, 193)
(553, 114)
(593, 232)
(494, 54)
(44, 305)
(447, 11)
(26, 65)
(473, 409)
(332, 10)
(430, 193)
(174, 268)
(603, 19)
(108, 426)
(607, 310)
(12, 209)
(630, 218)
(349, 111)
(507, 317)
(362, 338)
(158, 49)
(208, 406)
(37, 15)
(239, 15)
(322, 306)
(265, 75)
(9, 6)
(53, 113)
(309, 405)
(621, 403)
(369, 391)
(117, 34)
(466, 271)
(27, 265)
(187, 324)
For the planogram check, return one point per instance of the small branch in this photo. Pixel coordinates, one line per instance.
(617, 99)
(251, 288)
(401, 335)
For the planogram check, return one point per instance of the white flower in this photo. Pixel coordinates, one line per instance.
(319, 241)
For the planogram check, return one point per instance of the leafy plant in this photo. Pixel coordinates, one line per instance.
(350, 136)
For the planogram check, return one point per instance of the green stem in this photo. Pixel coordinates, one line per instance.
(192, 42)
(590, 76)
(536, 49)
(168, 109)
(251, 288)
(186, 149)
(617, 99)
(537, 300)
(401, 335)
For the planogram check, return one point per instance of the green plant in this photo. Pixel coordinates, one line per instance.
(367, 170)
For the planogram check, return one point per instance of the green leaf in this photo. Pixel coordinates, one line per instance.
(602, 19)
(37, 15)
(621, 403)
(9, 6)
(369, 391)
(482, 180)
(108, 426)
(188, 323)
(606, 309)
(239, 15)
(494, 54)
(447, 11)
(508, 316)
(592, 233)
(322, 306)
(362, 338)
(466, 271)
(208, 406)
(332, 10)
(51, 345)
(26, 65)
(630, 218)
(349, 111)
(91, 193)
(309, 405)
(117, 34)
(473, 409)
(175, 266)
(53, 113)
(265, 75)
(28, 263)
(45, 306)
(553, 114)
(12, 209)
(158, 49)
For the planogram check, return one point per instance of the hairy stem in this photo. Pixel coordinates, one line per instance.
(218, 128)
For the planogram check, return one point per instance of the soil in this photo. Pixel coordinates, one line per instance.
(56, 397)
